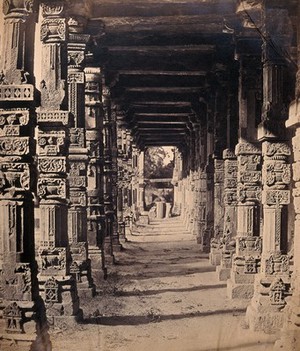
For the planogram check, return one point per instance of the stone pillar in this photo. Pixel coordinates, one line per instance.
(96, 220)
(78, 160)
(114, 184)
(57, 286)
(226, 243)
(18, 272)
(246, 259)
(272, 284)
(214, 255)
(290, 335)
(107, 174)
(141, 186)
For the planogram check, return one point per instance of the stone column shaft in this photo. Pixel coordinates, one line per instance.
(18, 284)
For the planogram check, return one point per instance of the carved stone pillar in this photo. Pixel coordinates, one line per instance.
(202, 209)
(290, 335)
(226, 243)
(78, 161)
(246, 259)
(218, 209)
(18, 283)
(248, 242)
(57, 286)
(272, 284)
(107, 174)
(96, 220)
(114, 183)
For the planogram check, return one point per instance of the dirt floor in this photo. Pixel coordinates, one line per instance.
(162, 295)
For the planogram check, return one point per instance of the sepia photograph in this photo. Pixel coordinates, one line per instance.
(149, 175)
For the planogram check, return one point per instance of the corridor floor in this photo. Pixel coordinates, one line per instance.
(162, 295)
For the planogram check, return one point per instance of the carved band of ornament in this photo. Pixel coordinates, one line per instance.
(277, 263)
(14, 146)
(229, 154)
(275, 149)
(251, 265)
(77, 182)
(277, 293)
(230, 183)
(77, 78)
(250, 245)
(10, 131)
(53, 261)
(17, 6)
(14, 118)
(249, 177)
(53, 117)
(230, 169)
(276, 174)
(276, 197)
(52, 164)
(12, 314)
(51, 143)
(78, 198)
(51, 188)
(249, 162)
(17, 278)
(77, 137)
(52, 8)
(76, 58)
(14, 176)
(53, 30)
(248, 193)
(77, 168)
(24, 92)
(219, 177)
(230, 197)
(246, 149)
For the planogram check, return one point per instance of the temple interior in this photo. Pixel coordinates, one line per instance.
(89, 91)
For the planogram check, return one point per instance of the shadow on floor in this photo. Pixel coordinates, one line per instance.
(237, 347)
(161, 291)
(158, 274)
(156, 318)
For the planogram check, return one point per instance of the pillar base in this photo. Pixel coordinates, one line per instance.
(290, 334)
(215, 257)
(266, 319)
(240, 286)
(98, 266)
(223, 273)
(85, 291)
(265, 313)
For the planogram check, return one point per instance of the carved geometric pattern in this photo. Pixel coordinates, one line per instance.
(277, 292)
(53, 117)
(250, 266)
(24, 92)
(51, 290)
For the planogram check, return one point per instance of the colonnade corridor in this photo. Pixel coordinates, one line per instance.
(101, 249)
(163, 294)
